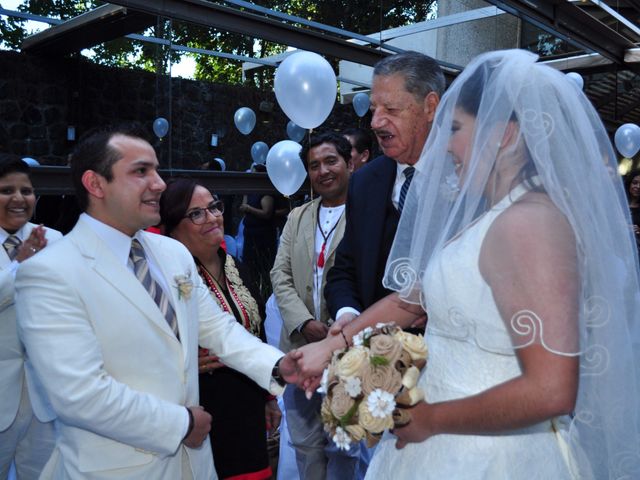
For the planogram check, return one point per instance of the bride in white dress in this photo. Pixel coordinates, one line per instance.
(515, 240)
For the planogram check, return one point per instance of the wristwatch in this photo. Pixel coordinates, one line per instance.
(275, 373)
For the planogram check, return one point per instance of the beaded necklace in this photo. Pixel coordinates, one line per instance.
(216, 288)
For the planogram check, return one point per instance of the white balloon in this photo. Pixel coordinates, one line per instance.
(294, 132)
(259, 152)
(32, 162)
(305, 86)
(627, 139)
(361, 103)
(223, 166)
(160, 127)
(285, 168)
(576, 78)
(245, 120)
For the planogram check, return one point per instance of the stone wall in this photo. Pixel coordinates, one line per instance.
(41, 96)
(459, 44)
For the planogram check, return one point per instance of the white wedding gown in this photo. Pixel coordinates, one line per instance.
(463, 316)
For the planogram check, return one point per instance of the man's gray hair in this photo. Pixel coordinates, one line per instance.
(421, 73)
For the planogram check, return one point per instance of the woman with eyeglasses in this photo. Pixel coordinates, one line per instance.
(241, 410)
(632, 184)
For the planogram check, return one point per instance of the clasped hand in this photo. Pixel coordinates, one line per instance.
(304, 366)
(33, 244)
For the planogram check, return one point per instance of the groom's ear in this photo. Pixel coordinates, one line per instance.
(92, 182)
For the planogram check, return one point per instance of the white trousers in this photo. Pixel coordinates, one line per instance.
(28, 442)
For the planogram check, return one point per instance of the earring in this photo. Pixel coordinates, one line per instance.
(498, 145)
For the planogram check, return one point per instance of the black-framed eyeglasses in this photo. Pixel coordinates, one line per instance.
(199, 215)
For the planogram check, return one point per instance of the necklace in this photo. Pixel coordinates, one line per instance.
(321, 257)
(215, 287)
(219, 279)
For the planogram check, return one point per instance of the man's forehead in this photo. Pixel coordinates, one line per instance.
(134, 149)
(322, 151)
(393, 83)
(124, 142)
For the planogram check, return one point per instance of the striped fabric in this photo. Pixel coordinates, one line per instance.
(408, 173)
(11, 245)
(141, 269)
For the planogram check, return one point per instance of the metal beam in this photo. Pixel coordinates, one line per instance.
(635, 4)
(621, 18)
(57, 181)
(568, 22)
(217, 16)
(367, 39)
(100, 25)
(441, 22)
(30, 16)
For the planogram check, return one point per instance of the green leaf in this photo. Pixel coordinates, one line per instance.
(346, 418)
(378, 361)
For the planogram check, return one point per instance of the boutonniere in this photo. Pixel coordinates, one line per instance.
(184, 286)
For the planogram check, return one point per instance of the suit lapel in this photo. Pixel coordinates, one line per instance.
(4, 258)
(338, 234)
(377, 198)
(116, 275)
(377, 206)
(308, 224)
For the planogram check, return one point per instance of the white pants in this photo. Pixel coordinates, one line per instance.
(28, 442)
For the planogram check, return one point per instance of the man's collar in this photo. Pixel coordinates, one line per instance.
(119, 243)
(19, 233)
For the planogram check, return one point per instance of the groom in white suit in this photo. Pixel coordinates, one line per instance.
(26, 427)
(119, 365)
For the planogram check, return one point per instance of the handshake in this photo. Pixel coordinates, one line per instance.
(302, 366)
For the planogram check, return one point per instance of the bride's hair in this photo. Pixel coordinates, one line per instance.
(469, 101)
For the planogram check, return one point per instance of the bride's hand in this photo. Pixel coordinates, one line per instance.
(418, 429)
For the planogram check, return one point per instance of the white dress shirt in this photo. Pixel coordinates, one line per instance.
(329, 217)
(397, 185)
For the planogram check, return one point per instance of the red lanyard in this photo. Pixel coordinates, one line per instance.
(321, 257)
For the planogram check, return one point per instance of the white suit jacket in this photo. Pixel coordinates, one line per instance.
(116, 375)
(12, 355)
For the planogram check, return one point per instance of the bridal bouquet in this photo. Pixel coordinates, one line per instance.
(364, 384)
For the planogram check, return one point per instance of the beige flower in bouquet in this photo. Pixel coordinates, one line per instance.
(365, 384)
(341, 401)
(384, 377)
(413, 344)
(351, 362)
(386, 346)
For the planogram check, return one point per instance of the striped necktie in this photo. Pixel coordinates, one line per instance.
(408, 174)
(11, 245)
(141, 269)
